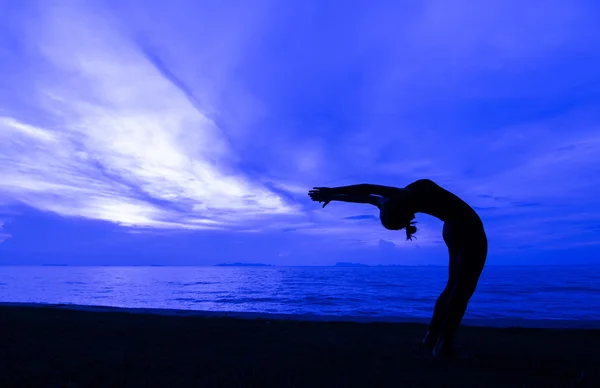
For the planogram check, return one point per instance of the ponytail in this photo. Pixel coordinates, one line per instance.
(411, 229)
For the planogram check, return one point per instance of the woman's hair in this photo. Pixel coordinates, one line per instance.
(411, 229)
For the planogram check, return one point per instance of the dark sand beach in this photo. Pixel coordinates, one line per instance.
(64, 347)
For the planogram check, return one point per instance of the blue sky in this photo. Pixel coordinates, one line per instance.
(189, 132)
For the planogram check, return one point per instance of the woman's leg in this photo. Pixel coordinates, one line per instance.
(440, 305)
(470, 262)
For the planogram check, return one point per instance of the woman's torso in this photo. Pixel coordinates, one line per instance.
(463, 229)
(434, 200)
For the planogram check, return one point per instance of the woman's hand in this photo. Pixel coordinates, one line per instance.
(321, 194)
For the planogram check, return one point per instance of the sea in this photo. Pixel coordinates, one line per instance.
(505, 292)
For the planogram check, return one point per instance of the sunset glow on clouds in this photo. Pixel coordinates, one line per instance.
(215, 121)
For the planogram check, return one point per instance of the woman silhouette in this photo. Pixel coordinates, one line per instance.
(463, 234)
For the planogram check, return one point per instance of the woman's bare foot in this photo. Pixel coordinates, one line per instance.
(447, 351)
(429, 340)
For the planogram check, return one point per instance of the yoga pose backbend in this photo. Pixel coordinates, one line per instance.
(463, 233)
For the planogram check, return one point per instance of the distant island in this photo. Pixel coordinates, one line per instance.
(243, 265)
(347, 264)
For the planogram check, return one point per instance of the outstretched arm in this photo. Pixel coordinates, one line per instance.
(325, 196)
(357, 198)
(364, 189)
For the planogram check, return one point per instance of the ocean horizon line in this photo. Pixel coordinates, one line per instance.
(267, 265)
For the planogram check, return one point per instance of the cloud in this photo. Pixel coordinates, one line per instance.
(3, 235)
(126, 143)
(383, 244)
(199, 116)
(362, 217)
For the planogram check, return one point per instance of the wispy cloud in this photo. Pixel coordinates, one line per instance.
(3, 235)
(197, 116)
(125, 143)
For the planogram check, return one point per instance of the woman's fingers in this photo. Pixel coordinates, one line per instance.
(315, 193)
(319, 194)
(318, 198)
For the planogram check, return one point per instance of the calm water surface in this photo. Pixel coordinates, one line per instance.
(504, 292)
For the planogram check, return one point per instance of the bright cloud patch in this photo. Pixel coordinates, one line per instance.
(122, 143)
(199, 116)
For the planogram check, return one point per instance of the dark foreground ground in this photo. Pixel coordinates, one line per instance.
(48, 347)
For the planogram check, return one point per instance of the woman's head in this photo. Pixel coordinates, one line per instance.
(395, 214)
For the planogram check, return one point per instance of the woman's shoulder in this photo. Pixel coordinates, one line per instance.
(423, 183)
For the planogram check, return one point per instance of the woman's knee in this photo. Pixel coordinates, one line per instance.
(465, 289)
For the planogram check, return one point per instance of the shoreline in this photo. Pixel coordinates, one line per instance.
(489, 323)
(92, 346)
